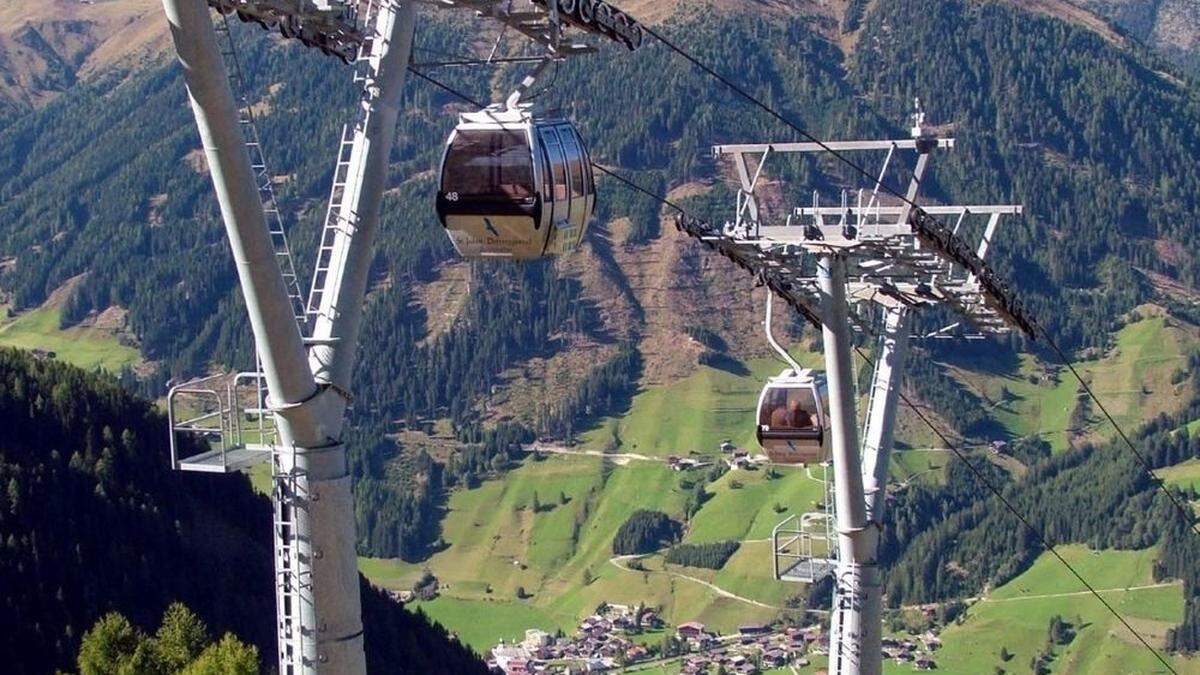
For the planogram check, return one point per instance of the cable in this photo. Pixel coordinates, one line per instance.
(1024, 521)
(773, 113)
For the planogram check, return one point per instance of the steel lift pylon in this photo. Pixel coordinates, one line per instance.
(303, 384)
(291, 410)
(840, 267)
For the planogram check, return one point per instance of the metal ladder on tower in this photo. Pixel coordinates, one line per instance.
(290, 579)
(258, 162)
(334, 223)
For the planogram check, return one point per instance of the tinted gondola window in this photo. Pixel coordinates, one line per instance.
(591, 176)
(575, 159)
(544, 166)
(558, 165)
(791, 408)
(489, 164)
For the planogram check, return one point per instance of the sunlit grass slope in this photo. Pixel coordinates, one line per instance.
(496, 545)
(87, 348)
(695, 414)
(1133, 380)
(1017, 615)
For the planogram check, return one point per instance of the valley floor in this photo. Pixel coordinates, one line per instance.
(559, 556)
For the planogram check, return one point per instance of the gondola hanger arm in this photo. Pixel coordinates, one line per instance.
(514, 99)
(783, 353)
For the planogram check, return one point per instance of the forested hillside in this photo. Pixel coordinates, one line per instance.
(107, 182)
(93, 520)
(1090, 134)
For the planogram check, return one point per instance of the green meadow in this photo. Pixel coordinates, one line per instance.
(497, 545)
(694, 414)
(1182, 474)
(1133, 379)
(481, 624)
(88, 348)
(559, 554)
(1016, 617)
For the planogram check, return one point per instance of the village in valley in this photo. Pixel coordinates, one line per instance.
(620, 638)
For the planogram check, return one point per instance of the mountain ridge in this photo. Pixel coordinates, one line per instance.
(48, 46)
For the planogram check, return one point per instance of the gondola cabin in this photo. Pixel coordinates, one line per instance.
(515, 186)
(791, 419)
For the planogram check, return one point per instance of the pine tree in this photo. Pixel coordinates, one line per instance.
(180, 638)
(109, 648)
(229, 656)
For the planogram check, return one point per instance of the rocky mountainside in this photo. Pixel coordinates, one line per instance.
(1171, 26)
(46, 47)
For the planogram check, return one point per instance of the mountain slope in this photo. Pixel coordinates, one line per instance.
(1171, 26)
(101, 181)
(93, 520)
(1082, 128)
(46, 47)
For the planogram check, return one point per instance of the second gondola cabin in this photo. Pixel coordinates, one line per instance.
(515, 186)
(792, 426)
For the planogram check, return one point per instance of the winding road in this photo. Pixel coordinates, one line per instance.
(620, 560)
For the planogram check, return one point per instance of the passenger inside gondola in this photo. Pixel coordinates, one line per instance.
(798, 417)
(788, 414)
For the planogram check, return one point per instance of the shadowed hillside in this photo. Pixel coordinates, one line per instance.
(93, 520)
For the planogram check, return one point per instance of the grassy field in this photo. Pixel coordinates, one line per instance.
(1016, 617)
(1103, 569)
(496, 544)
(1133, 380)
(919, 465)
(88, 348)
(481, 624)
(559, 553)
(748, 512)
(694, 414)
(260, 478)
(1186, 473)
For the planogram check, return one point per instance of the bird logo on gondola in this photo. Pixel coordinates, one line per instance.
(487, 222)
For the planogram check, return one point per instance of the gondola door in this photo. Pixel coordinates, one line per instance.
(558, 192)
